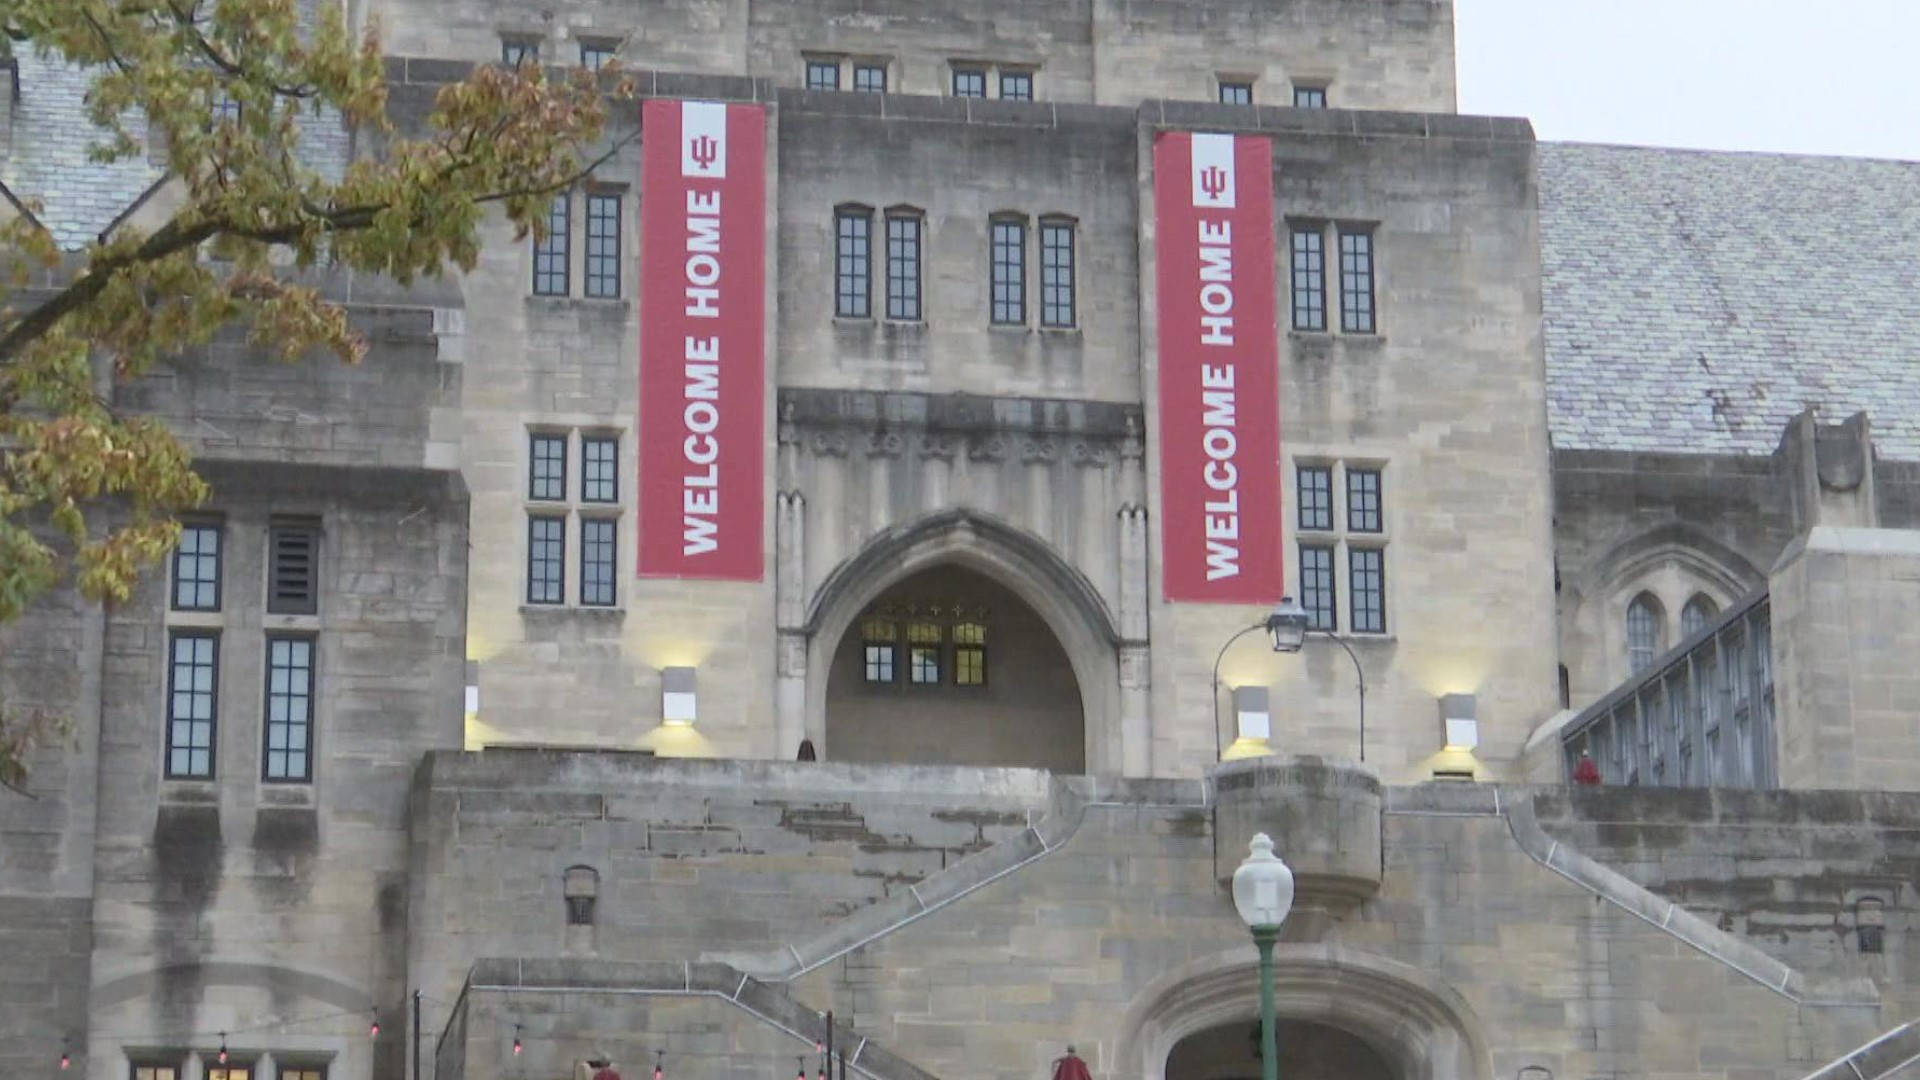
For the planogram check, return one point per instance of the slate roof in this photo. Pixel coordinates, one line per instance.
(47, 159)
(1696, 301)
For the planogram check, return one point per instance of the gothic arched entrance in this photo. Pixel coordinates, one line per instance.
(1307, 1051)
(968, 561)
(950, 667)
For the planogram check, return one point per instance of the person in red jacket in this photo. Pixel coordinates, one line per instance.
(1586, 771)
(1071, 1068)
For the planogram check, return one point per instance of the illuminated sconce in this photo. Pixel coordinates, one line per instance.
(677, 698)
(1459, 722)
(473, 687)
(1251, 718)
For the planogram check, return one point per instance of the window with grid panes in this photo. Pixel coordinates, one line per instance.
(196, 569)
(1643, 633)
(598, 544)
(1363, 500)
(1057, 286)
(1367, 584)
(225, 108)
(546, 559)
(1356, 281)
(870, 78)
(517, 51)
(599, 469)
(1009, 272)
(879, 641)
(1317, 587)
(302, 1073)
(1315, 484)
(923, 653)
(970, 82)
(1016, 86)
(603, 245)
(1309, 273)
(969, 654)
(823, 74)
(1236, 93)
(547, 467)
(903, 267)
(853, 263)
(192, 703)
(289, 728)
(595, 55)
(230, 1072)
(551, 253)
(1309, 97)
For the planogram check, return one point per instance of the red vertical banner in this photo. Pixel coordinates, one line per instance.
(702, 340)
(1220, 482)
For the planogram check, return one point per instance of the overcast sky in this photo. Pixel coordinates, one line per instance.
(1803, 76)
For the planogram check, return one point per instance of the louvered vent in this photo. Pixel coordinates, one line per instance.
(293, 572)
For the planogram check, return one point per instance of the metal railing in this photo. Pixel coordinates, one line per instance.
(1701, 715)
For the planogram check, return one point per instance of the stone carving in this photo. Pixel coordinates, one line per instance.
(1092, 455)
(828, 443)
(945, 447)
(990, 449)
(885, 444)
(1044, 451)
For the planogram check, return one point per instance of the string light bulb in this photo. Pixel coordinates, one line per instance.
(516, 1040)
(223, 1048)
(659, 1066)
(802, 1075)
(66, 1058)
(373, 1028)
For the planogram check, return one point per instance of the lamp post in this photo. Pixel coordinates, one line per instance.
(1286, 628)
(1262, 894)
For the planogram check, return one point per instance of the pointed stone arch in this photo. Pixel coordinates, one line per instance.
(1423, 1027)
(1059, 593)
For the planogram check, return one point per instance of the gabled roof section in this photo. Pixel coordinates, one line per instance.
(1696, 301)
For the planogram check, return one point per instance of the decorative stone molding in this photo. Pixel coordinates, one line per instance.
(994, 449)
(885, 444)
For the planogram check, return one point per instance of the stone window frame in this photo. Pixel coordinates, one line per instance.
(198, 526)
(574, 510)
(993, 75)
(1010, 310)
(963, 72)
(1051, 224)
(1232, 88)
(853, 271)
(1328, 287)
(815, 66)
(1645, 627)
(553, 254)
(1016, 72)
(863, 65)
(602, 273)
(1307, 275)
(879, 669)
(312, 697)
(147, 1067)
(168, 746)
(1698, 613)
(518, 49)
(571, 223)
(597, 52)
(580, 888)
(1342, 541)
(913, 284)
(1310, 95)
(1359, 277)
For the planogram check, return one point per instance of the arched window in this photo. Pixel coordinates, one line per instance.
(1697, 614)
(1644, 635)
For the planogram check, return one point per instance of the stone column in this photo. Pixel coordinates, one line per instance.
(1136, 684)
(790, 616)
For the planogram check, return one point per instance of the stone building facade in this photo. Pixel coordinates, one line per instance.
(402, 767)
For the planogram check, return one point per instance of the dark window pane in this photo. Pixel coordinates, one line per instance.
(1363, 500)
(293, 570)
(196, 569)
(823, 74)
(1316, 496)
(969, 82)
(192, 698)
(1309, 97)
(547, 469)
(513, 53)
(870, 78)
(289, 726)
(1009, 275)
(1367, 578)
(546, 560)
(598, 550)
(551, 254)
(1356, 282)
(1317, 588)
(1309, 272)
(603, 246)
(595, 55)
(903, 268)
(1057, 287)
(599, 469)
(853, 263)
(1016, 86)
(1236, 93)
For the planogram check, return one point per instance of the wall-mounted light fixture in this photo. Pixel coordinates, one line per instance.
(678, 701)
(1459, 722)
(1252, 720)
(473, 687)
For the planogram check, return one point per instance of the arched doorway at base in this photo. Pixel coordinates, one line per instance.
(1305, 1050)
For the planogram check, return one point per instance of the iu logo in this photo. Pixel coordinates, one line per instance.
(703, 139)
(1213, 173)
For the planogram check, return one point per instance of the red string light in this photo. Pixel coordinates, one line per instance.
(223, 1048)
(516, 1040)
(659, 1067)
(66, 1059)
(373, 1029)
